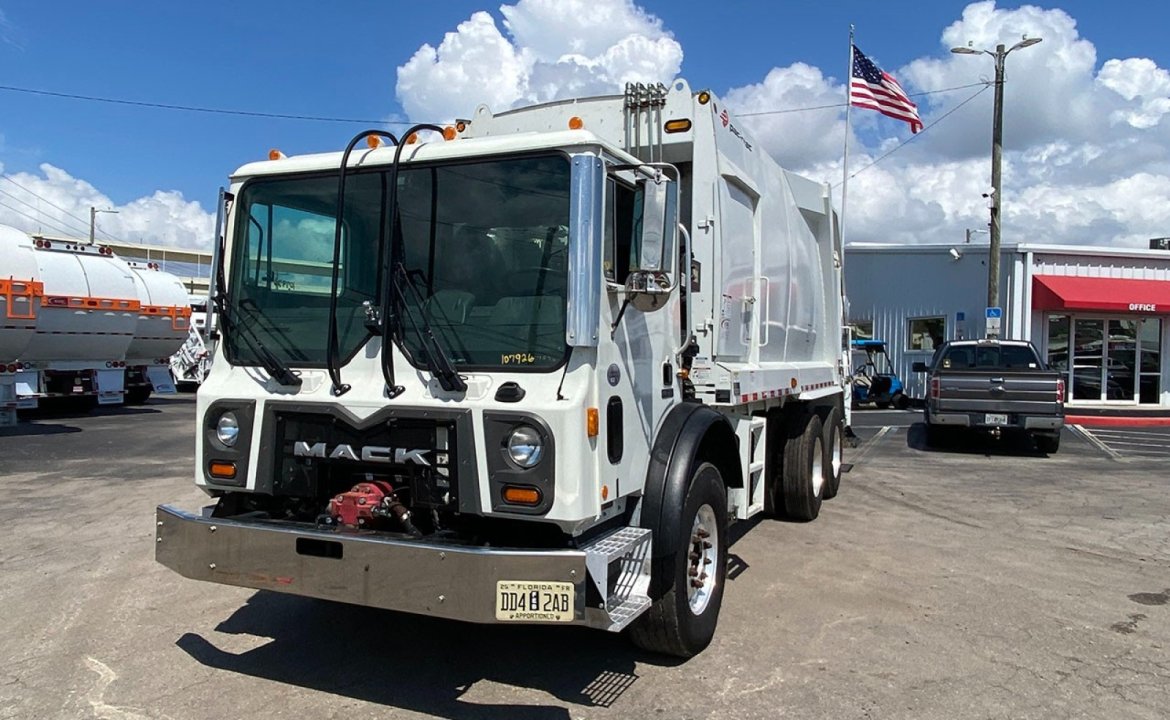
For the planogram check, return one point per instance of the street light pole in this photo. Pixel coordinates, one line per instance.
(93, 220)
(995, 202)
(996, 181)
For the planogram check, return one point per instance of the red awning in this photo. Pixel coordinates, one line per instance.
(1057, 292)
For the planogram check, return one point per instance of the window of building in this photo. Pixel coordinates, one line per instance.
(926, 333)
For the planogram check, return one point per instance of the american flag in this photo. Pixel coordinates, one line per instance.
(873, 88)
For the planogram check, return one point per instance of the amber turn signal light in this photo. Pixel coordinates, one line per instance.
(518, 495)
(592, 422)
(222, 470)
(576, 123)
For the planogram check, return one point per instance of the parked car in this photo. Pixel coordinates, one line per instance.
(993, 386)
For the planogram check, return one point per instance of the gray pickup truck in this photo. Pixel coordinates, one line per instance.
(993, 385)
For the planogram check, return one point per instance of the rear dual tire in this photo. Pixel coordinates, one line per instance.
(834, 449)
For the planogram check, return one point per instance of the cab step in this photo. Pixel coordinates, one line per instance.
(625, 555)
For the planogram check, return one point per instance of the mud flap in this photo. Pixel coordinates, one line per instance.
(161, 380)
(110, 386)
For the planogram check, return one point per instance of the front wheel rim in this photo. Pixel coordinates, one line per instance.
(702, 559)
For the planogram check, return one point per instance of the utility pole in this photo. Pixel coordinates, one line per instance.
(93, 220)
(995, 201)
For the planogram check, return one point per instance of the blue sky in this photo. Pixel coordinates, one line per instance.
(340, 59)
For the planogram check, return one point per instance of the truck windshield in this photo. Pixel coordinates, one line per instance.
(990, 357)
(484, 244)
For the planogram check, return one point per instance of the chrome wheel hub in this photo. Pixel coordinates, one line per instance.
(702, 555)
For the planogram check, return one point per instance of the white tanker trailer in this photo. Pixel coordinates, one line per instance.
(78, 321)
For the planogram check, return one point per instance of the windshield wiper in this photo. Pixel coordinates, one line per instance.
(438, 362)
(268, 360)
(393, 301)
(332, 351)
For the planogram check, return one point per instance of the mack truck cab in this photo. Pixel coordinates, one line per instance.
(522, 369)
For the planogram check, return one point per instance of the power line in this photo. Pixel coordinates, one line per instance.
(26, 203)
(193, 108)
(363, 121)
(42, 198)
(39, 221)
(917, 135)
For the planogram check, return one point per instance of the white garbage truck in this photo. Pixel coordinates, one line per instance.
(525, 368)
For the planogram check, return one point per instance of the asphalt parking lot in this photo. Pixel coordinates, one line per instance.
(981, 580)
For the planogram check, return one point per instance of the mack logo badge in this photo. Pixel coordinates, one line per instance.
(370, 453)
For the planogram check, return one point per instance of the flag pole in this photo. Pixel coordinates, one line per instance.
(845, 152)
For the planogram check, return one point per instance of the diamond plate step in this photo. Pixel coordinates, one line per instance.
(630, 547)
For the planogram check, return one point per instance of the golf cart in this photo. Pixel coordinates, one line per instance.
(874, 379)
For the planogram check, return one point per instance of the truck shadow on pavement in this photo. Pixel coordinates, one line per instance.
(973, 443)
(27, 429)
(422, 664)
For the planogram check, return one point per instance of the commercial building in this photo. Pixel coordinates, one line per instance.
(1100, 315)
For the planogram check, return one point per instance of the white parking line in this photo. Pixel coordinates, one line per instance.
(868, 444)
(1165, 437)
(1119, 442)
(1096, 442)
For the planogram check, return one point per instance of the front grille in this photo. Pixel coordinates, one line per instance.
(320, 455)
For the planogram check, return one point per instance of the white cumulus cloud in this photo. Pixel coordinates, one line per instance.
(549, 49)
(54, 202)
(1086, 153)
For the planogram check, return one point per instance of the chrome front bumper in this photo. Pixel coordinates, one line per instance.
(447, 581)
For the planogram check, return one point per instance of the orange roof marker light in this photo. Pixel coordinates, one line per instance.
(275, 154)
(460, 125)
(449, 133)
(412, 139)
(373, 141)
(576, 123)
(704, 97)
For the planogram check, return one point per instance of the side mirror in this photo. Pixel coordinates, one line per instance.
(920, 367)
(659, 221)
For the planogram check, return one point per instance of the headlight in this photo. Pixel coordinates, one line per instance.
(525, 446)
(227, 430)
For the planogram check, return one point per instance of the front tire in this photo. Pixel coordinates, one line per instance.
(682, 621)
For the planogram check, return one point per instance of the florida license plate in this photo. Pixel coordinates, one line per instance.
(534, 601)
(995, 419)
